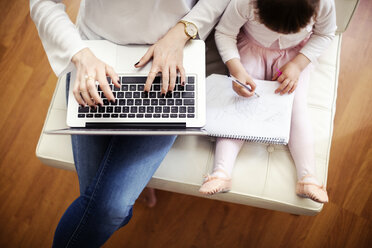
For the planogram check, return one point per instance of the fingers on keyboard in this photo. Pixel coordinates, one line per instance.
(131, 101)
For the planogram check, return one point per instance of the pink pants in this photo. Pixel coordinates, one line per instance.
(260, 63)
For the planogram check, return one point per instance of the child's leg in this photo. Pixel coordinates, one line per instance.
(224, 159)
(225, 155)
(301, 143)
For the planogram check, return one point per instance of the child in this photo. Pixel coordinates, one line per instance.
(278, 40)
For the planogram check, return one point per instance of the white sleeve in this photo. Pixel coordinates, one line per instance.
(236, 14)
(58, 34)
(323, 31)
(205, 14)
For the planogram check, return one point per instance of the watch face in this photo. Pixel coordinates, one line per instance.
(191, 30)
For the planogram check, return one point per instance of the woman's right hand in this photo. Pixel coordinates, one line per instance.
(90, 69)
(237, 70)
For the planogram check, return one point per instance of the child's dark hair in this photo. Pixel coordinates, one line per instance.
(285, 16)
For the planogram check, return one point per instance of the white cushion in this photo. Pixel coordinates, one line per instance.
(264, 175)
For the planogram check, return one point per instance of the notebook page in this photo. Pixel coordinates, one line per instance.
(255, 118)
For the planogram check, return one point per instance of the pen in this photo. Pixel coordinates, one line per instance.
(248, 87)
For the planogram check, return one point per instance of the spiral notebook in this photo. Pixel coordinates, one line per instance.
(264, 119)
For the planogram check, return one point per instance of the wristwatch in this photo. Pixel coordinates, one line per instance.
(190, 29)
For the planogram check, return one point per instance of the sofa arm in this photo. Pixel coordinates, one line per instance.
(344, 11)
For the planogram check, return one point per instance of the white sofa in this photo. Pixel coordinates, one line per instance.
(264, 175)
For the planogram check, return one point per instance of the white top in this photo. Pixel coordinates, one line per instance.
(119, 21)
(241, 13)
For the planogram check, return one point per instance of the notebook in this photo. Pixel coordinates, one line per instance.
(264, 119)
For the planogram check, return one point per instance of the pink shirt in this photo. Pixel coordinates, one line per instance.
(240, 13)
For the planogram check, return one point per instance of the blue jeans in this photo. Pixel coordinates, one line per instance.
(112, 172)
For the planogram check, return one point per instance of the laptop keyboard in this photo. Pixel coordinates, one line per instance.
(132, 102)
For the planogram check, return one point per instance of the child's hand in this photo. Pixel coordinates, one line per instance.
(288, 78)
(289, 74)
(245, 79)
(237, 70)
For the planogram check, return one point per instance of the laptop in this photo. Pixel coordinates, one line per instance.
(181, 112)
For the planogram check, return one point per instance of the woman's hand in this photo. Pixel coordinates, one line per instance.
(289, 74)
(90, 69)
(237, 70)
(167, 55)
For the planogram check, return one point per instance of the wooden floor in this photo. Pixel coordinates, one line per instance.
(33, 196)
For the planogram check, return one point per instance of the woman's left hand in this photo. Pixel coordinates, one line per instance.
(288, 78)
(167, 55)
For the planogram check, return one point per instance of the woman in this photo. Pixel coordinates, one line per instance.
(113, 170)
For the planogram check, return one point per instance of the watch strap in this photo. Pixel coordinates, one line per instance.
(186, 23)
